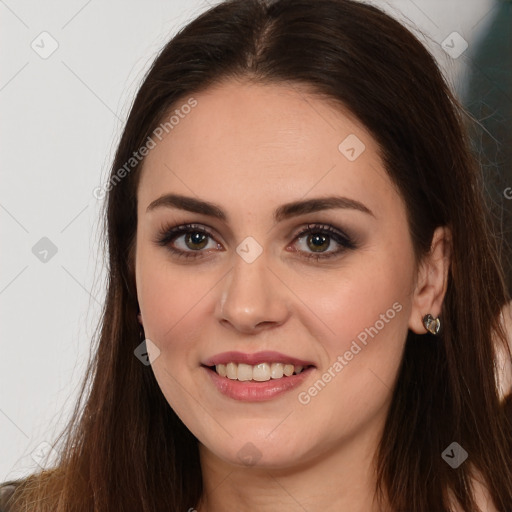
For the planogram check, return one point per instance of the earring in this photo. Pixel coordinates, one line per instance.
(431, 324)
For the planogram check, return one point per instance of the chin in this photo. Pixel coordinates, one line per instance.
(261, 452)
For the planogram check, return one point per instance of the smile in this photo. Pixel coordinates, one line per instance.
(260, 372)
(255, 377)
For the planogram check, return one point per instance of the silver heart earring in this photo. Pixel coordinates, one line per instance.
(432, 324)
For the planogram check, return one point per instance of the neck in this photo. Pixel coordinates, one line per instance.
(340, 478)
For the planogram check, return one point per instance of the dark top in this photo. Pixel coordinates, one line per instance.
(6, 491)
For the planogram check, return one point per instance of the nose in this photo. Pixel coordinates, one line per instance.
(253, 297)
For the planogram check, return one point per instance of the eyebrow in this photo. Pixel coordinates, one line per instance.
(283, 212)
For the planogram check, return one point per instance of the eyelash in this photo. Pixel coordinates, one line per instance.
(169, 233)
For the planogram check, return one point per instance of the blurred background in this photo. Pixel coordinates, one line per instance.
(69, 71)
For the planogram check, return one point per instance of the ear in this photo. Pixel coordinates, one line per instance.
(432, 280)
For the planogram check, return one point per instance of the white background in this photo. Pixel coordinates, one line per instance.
(61, 118)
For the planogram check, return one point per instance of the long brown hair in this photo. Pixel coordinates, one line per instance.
(125, 449)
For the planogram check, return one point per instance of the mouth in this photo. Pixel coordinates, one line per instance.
(261, 372)
(259, 382)
(256, 376)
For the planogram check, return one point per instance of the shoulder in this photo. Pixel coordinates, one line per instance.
(503, 363)
(6, 491)
(482, 497)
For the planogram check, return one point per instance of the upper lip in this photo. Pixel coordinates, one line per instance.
(266, 356)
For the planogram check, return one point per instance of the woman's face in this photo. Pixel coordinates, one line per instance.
(246, 288)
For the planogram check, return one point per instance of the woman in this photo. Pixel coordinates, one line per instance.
(297, 230)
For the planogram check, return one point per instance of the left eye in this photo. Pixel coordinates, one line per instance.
(318, 238)
(194, 238)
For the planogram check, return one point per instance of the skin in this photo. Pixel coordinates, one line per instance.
(504, 362)
(249, 149)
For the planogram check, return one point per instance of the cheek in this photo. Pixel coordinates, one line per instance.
(171, 300)
(363, 313)
(168, 295)
(367, 301)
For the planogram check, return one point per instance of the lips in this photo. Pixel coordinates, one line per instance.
(253, 391)
(256, 383)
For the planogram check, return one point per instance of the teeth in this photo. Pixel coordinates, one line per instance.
(276, 370)
(244, 372)
(259, 372)
(231, 370)
(221, 370)
(288, 369)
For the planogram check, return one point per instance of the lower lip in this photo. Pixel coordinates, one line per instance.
(252, 391)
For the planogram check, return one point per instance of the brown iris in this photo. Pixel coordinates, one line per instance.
(318, 241)
(196, 238)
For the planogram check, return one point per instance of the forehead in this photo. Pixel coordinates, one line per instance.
(263, 144)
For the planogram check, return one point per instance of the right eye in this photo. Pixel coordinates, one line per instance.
(193, 239)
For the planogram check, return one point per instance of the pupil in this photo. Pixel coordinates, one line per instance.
(318, 241)
(196, 239)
